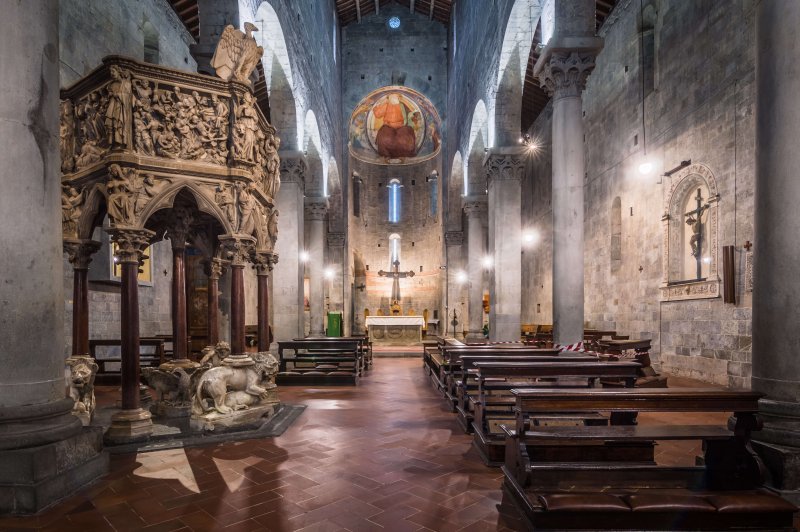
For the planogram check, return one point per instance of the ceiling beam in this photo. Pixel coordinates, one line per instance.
(430, 15)
(377, 7)
(358, 11)
(411, 6)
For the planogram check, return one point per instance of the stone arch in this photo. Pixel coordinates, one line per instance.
(94, 211)
(317, 173)
(514, 54)
(334, 192)
(478, 141)
(203, 197)
(150, 36)
(455, 190)
(285, 109)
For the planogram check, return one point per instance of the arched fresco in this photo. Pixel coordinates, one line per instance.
(395, 125)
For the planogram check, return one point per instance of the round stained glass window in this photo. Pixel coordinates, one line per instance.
(394, 23)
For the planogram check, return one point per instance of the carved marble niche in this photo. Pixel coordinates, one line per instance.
(690, 255)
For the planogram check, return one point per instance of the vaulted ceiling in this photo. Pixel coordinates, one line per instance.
(352, 10)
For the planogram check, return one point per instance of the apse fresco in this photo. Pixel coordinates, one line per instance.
(395, 125)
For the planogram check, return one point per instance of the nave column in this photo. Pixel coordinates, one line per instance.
(454, 248)
(475, 208)
(44, 450)
(315, 211)
(562, 69)
(264, 262)
(505, 168)
(776, 292)
(287, 277)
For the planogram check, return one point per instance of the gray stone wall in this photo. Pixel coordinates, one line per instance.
(701, 108)
(89, 30)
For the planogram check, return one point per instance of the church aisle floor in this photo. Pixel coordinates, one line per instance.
(385, 455)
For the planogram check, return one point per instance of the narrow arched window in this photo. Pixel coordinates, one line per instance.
(394, 248)
(394, 200)
(151, 46)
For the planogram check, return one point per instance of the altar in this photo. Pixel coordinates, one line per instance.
(395, 330)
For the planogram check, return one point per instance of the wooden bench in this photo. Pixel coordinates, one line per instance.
(622, 493)
(318, 362)
(494, 404)
(451, 365)
(467, 378)
(364, 346)
(433, 360)
(149, 358)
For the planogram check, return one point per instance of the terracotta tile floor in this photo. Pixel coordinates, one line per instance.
(383, 455)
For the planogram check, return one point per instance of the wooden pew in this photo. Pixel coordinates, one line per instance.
(148, 358)
(364, 346)
(318, 362)
(724, 493)
(467, 381)
(433, 360)
(494, 404)
(452, 362)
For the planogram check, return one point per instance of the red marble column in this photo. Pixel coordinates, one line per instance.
(131, 423)
(263, 262)
(80, 256)
(237, 249)
(179, 324)
(214, 270)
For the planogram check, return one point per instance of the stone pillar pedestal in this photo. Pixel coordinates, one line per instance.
(315, 210)
(776, 312)
(475, 208)
(562, 69)
(287, 278)
(505, 168)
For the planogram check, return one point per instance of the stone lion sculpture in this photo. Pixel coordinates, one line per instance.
(82, 371)
(228, 388)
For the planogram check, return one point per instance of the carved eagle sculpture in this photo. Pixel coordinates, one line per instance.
(237, 54)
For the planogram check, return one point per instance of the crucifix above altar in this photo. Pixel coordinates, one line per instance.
(396, 275)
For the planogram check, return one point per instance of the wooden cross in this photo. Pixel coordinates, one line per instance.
(396, 275)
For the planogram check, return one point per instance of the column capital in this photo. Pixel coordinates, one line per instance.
(336, 240)
(316, 208)
(454, 238)
(131, 243)
(180, 224)
(563, 73)
(293, 167)
(237, 248)
(79, 252)
(475, 205)
(507, 163)
(215, 268)
(263, 261)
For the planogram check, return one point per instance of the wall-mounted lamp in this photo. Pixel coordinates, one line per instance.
(681, 166)
(304, 256)
(461, 277)
(487, 261)
(329, 273)
(530, 143)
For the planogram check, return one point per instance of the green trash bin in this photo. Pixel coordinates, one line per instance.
(334, 324)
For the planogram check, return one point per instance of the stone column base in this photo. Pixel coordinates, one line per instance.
(778, 445)
(129, 426)
(475, 336)
(33, 478)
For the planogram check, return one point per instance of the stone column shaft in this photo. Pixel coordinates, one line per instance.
(180, 338)
(315, 218)
(80, 256)
(505, 170)
(454, 241)
(263, 262)
(776, 293)
(237, 248)
(214, 271)
(475, 207)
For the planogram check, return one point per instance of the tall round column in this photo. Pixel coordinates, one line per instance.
(505, 168)
(38, 433)
(776, 293)
(315, 218)
(132, 423)
(475, 208)
(180, 339)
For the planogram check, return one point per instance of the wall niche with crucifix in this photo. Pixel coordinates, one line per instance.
(690, 255)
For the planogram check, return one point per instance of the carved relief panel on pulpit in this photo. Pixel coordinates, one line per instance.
(690, 255)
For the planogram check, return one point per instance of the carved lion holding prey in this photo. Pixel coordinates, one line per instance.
(227, 388)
